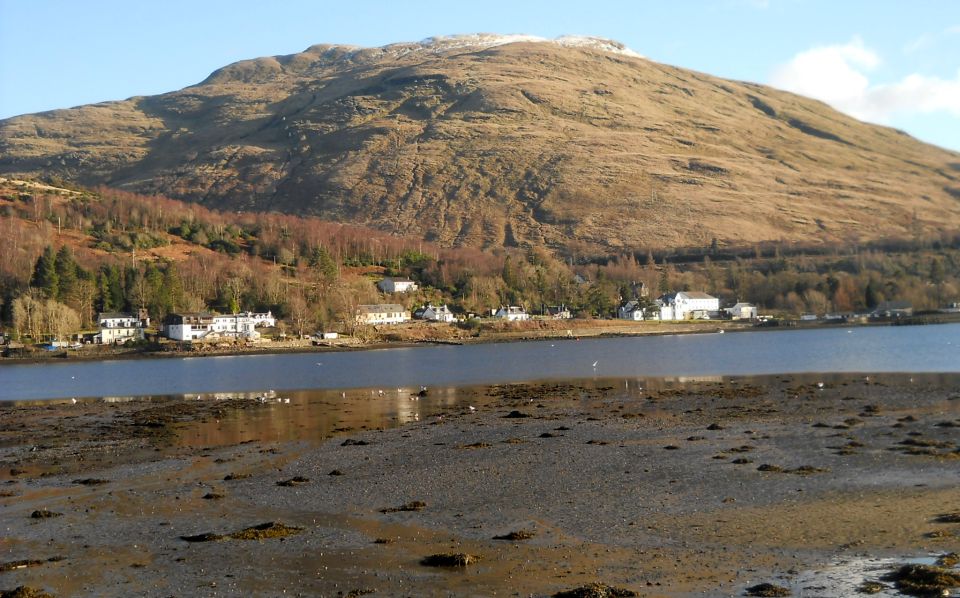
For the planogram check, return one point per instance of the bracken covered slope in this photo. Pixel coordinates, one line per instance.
(472, 141)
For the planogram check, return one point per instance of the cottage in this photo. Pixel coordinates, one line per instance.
(397, 285)
(742, 311)
(512, 313)
(434, 313)
(631, 310)
(687, 305)
(382, 313)
(116, 327)
(557, 312)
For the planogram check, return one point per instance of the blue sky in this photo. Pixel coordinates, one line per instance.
(891, 62)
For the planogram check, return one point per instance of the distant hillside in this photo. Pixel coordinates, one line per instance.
(572, 145)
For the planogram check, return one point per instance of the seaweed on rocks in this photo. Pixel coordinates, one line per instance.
(767, 589)
(415, 505)
(596, 590)
(449, 559)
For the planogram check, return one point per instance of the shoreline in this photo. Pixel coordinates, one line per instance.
(488, 337)
(671, 489)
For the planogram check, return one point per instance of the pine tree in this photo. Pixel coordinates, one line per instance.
(66, 276)
(45, 274)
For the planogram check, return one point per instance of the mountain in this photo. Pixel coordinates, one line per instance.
(575, 143)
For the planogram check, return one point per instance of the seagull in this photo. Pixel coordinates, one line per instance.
(343, 395)
(472, 408)
(73, 401)
(286, 400)
(819, 384)
(380, 393)
(595, 364)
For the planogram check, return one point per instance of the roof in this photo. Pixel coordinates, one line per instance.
(113, 315)
(380, 308)
(395, 279)
(741, 305)
(697, 295)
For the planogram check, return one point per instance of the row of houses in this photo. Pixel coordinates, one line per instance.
(685, 305)
(119, 328)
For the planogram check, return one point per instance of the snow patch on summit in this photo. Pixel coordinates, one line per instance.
(488, 40)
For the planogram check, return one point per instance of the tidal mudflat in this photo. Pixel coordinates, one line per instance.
(661, 488)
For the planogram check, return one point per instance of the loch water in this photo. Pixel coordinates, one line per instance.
(876, 349)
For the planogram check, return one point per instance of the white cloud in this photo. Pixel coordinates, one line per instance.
(838, 75)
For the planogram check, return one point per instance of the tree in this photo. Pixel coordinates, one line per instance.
(86, 292)
(45, 274)
(67, 271)
(870, 296)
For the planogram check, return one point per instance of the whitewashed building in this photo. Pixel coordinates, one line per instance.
(397, 285)
(687, 305)
(119, 328)
(435, 313)
(742, 311)
(207, 326)
(382, 313)
(511, 313)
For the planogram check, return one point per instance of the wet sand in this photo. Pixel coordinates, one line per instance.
(665, 488)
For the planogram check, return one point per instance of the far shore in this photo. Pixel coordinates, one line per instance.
(422, 333)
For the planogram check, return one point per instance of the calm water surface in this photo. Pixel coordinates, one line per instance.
(868, 349)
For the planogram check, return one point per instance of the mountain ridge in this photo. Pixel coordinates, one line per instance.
(494, 141)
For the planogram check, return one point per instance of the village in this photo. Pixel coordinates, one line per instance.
(438, 322)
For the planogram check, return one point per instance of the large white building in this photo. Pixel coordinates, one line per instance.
(687, 305)
(121, 327)
(206, 326)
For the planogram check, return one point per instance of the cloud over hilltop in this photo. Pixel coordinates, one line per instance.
(840, 76)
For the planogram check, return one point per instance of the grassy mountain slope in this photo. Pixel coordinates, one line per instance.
(519, 144)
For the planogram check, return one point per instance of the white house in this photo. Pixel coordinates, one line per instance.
(512, 313)
(687, 305)
(206, 326)
(262, 320)
(742, 311)
(382, 313)
(397, 285)
(120, 327)
(435, 314)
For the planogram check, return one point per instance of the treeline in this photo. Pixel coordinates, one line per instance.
(92, 251)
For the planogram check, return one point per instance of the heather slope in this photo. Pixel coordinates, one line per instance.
(466, 142)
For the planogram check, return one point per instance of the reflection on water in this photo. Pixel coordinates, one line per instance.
(316, 415)
(872, 349)
(844, 578)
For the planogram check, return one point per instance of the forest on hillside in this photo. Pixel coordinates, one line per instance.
(68, 253)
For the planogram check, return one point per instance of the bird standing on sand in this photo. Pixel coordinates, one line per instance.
(73, 401)
(819, 384)
(472, 408)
